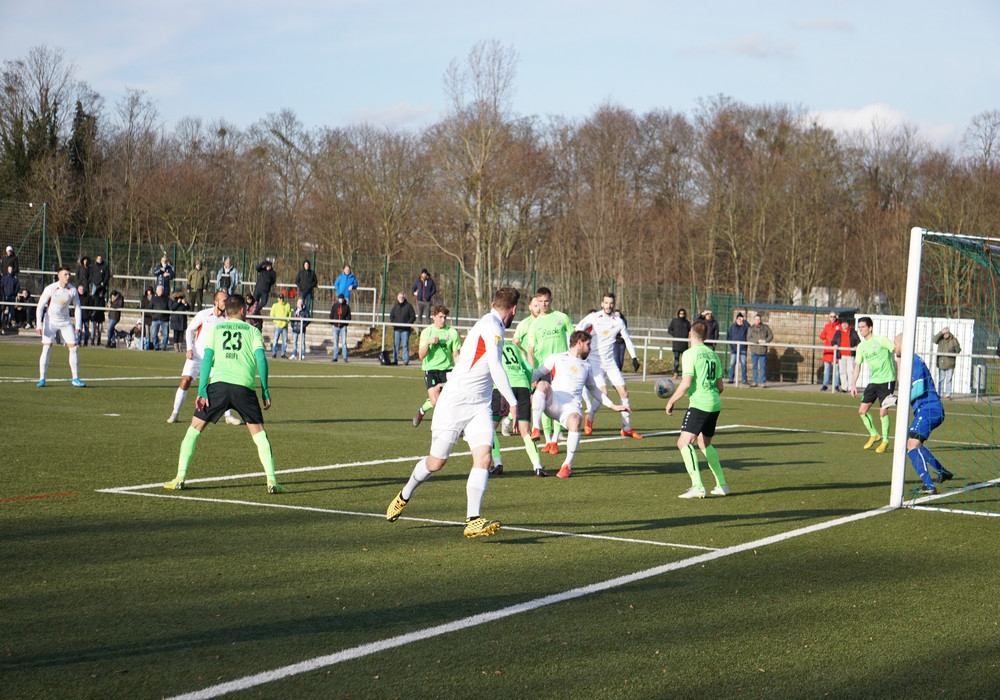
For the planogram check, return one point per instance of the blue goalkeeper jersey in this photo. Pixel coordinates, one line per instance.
(923, 394)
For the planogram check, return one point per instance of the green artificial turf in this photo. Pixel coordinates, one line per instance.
(118, 594)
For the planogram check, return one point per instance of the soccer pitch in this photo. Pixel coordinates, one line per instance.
(798, 584)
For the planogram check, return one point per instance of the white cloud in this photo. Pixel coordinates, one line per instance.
(760, 45)
(398, 115)
(884, 117)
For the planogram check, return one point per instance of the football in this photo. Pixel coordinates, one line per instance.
(664, 387)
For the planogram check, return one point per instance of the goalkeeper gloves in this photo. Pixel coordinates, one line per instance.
(635, 364)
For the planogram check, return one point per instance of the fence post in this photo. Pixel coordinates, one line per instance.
(42, 261)
(385, 283)
(812, 362)
(458, 286)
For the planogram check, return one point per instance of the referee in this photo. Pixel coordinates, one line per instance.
(234, 355)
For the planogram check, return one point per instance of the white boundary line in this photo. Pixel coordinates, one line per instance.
(176, 377)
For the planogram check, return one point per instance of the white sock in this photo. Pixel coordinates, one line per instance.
(572, 442)
(419, 476)
(555, 432)
(74, 362)
(43, 361)
(626, 421)
(537, 406)
(179, 400)
(475, 487)
(592, 411)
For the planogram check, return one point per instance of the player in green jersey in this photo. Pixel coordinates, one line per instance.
(439, 347)
(702, 383)
(548, 335)
(520, 340)
(234, 355)
(519, 374)
(877, 351)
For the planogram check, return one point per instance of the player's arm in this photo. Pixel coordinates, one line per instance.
(680, 391)
(43, 302)
(605, 401)
(261, 357)
(78, 316)
(630, 346)
(206, 369)
(192, 332)
(500, 380)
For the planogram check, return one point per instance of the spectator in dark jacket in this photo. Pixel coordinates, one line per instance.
(253, 309)
(100, 277)
(306, 282)
(299, 325)
(738, 353)
(10, 287)
(97, 316)
(678, 329)
(711, 327)
(340, 313)
(116, 301)
(424, 290)
(10, 259)
(160, 306)
(83, 334)
(147, 318)
(83, 272)
(179, 321)
(163, 271)
(402, 316)
(266, 277)
(24, 312)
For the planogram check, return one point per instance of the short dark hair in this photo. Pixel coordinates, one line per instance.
(577, 336)
(699, 330)
(609, 295)
(439, 309)
(867, 320)
(235, 304)
(541, 291)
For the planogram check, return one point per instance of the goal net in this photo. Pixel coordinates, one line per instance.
(952, 282)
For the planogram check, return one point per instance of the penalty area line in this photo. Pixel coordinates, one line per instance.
(382, 645)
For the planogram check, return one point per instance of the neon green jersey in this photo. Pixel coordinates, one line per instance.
(515, 364)
(877, 351)
(703, 365)
(548, 335)
(521, 332)
(234, 344)
(442, 344)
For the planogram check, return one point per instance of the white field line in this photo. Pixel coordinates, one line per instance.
(176, 377)
(382, 645)
(848, 434)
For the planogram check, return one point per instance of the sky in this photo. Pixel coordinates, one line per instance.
(848, 63)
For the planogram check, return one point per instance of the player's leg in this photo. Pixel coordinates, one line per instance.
(74, 363)
(539, 400)
(572, 420)
(444, 435)
(266, 456)
(186, 453)
(691, 427)
(707, 449)
(478, 433)
(523, 396)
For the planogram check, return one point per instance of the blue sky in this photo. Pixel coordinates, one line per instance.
(336, 62)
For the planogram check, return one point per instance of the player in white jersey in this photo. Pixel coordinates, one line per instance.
(196, 335)
(560, 395)
(604, 327)
(464, 406)
(52, 315)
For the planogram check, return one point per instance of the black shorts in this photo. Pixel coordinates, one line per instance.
(878, 391)
(434, 377)
(223, 396)
(700, 422)
(501, 409)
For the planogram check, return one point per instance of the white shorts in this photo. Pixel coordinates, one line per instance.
(455, 414)
(49, 331)
(192, 367)
(561, 406)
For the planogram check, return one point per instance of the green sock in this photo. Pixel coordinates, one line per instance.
(885, 428)
(714, 464)
(691, 464)
(532, 449)
(187, 452)
(496, 449)
(427, 406)
(264, 452)
(546, 426)
(869, 424)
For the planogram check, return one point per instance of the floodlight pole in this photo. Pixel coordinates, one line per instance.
(905, 374)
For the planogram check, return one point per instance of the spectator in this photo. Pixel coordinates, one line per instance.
(100, 277)
(829, 361)
(266, 277)
(147, 318)
(403, 317)
(738, 352)
(345, 283)
(10, 260)
(844, 342)
(424, 290)
(948, 348)
(758, 335)
(83, 332)
(228, 278)
(299, 325)
(197, 283)
(678, 329)
(179, 321)
(97, 315)
(116, 301)
(620, 343)
(160, 306)
(253, 309)
(711, 327)
(163, 272)
(281, 310)
(306, 283)
(340, 313)
(23, 316)
(83, 272)
(10, 287)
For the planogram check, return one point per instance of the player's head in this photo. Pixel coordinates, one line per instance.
(236, 307)
(608, 303)
(220, 301)
(63, 275)
(505, 302)
(533, 307)
(544, 297)
(698, 331)
(579, 342)
(439, 315)
(865, 326)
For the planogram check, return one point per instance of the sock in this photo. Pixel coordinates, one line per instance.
(43, 361)
(919, 460)
(556, 430)
(475, 487)
(264, 452)
(179, 397)
(932, 460)
(427, 406)
(714, 464)
(691, 464)
(572, 443)
(419, 476)
(869, 424)
(187, 452)
(593, 410)
(588, 402)
(497, 459)
(537, 407)
(626, 420)
(74, 362)
(885, 428)
(532, 450)
(547, 427)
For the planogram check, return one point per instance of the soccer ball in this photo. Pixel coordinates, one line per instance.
(664, 387)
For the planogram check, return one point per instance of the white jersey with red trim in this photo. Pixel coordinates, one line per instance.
(569, 375)
(56, 301)
(479, 366)
(603, 330)
(197, 330)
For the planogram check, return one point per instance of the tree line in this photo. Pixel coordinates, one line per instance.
(751, 200)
